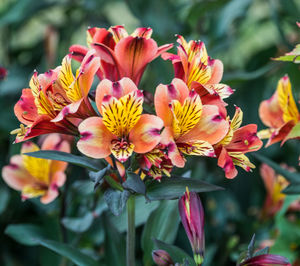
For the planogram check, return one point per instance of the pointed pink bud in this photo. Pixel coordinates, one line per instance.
(266, 259)
(192, 218)
(162, 258)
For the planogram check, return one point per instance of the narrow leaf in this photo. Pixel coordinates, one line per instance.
(79, 224)
(162, 224)
(174, 187)
(66, 157)
(69, 252)
(292, 177)
(291, 189)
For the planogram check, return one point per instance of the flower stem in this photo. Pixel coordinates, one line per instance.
(131, 231)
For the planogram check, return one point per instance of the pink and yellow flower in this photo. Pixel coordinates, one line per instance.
(190, 127)
(122, 129)
(121, 55)
(56, 100)
(238, 141)
(201, 73)
(280, 114)
(37, 177)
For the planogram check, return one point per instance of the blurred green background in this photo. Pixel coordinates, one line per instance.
(244, 34)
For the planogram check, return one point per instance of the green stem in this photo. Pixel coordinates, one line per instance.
(131, 231)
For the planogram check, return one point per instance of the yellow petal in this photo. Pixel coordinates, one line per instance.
(186, 116)
(286, 100)
(199, 148)
(38, 168)
(237, 119)
(241, 160)
(120, 116)
(32, 192)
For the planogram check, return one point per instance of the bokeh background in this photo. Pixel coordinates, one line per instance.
(244, 34)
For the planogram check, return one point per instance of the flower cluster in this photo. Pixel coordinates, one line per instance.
(191, 116)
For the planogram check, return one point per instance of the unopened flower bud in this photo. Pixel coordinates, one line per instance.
(162, 258)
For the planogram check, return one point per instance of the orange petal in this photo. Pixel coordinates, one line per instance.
(145, 135)
(164, 95)
(134, 53)
(15, 175)
(270, 112)
(269, 177)
(226, 163)
(95, 139)
(87, 71)
(50, 195)
(116, 89)
(78, 52)
(245, 140)
(212, 127)
(173, 152)
(25, 109)
(217, 72)
(280, 133)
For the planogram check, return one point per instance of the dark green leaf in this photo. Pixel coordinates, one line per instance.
(162, 224)
(69, 252)
(116, 200)
(251, 247)
(262, 251)
(114, 245)
(134, 183)
(97, 177)
(25, 234)
(292, 177)
(174, 187)
(67, 157)
(291, 189)
(79, 224)
(4, 198)
(177, 254)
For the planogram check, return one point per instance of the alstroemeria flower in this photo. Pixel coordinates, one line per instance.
(156, 163)
(238, 141)
(193, 65)
(122, 129)
(121, 55)
(55, 95)
(192, 217)
(274, 184)
(190, 127)
(266, 260)
(37, 177)
(280, 114)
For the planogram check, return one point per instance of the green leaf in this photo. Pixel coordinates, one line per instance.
(134, 183)
(174, 187)
(251, 247)
(115, 251)
(262, 251)
(84, 162)
(4, 199)
(293, 56)
(292, 177)
(25, 234)
(291, 189)
(69, 252)
(162, 224)
(97, 177)
(79, 224)
(177, 254)
(116, 200)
